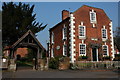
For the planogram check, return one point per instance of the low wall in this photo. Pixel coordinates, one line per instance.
(98, 65)
(43, 64)
(3, 63)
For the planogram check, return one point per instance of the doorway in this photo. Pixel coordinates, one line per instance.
(26, 58)
(94, 54)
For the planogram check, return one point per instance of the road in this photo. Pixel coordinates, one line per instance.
(59, 74)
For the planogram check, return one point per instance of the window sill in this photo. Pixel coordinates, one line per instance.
(94, 22)
(82, 55)
(64, 39)
(64, 55)
(104, 39)
(80, 37)
(52, 43)
(105, 55)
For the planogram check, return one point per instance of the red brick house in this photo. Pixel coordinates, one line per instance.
(85, 32)
(20, 51)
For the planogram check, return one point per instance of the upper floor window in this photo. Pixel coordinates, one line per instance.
(82, 31)
(82, 49)
(105, 50)
(65, 32)
(64, 50)
(92, 16)
(52, 37)
(104, 34)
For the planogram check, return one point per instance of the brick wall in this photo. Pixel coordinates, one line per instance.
(21, 51)
(82, 16)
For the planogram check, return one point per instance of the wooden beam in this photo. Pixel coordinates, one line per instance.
(38, 54)
(41, 53)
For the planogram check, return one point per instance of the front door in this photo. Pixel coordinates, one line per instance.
(94, 54)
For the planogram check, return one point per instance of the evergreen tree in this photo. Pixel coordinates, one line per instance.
(16, 20)
(117, 38)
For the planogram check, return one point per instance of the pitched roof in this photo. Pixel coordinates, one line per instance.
(74, 12)
(25, 35)
(89, 7)
(59, 23)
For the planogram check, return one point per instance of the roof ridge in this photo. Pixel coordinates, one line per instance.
(87, 6)
(25, 35)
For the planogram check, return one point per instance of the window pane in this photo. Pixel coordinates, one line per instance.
(105, 50)
(64, 32)
(104, 33)
(65, 49)
(82, 49)
(93, 16)
(82, 31)
(52, 37)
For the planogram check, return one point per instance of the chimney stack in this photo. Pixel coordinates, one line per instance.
(65, 14)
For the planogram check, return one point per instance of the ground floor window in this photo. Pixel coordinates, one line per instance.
(52, 52)
(82, 49)
(105, 50)
(64, 50)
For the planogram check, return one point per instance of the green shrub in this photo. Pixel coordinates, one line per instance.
(54, 63)
(117, 57)
(64, 59)
(82, 57)
(106, 57)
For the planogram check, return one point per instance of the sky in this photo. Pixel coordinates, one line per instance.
(50, 13)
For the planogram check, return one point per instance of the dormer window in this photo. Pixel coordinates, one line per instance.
(93, 16)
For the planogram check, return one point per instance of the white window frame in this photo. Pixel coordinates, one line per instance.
(104, 39)
(52, 38)
(95, 20)
(79, 49)
(52, 52)
(84, 36)
(64, 50)
(63, 31)
(107, 50)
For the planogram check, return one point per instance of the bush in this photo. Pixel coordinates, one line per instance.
(106, 58)
(54, 63)
(82, 57)
(117, 57)
(64, 59)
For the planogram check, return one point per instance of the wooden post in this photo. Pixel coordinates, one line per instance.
(37, 58)
(41, 61)
(41, 54)
(38, 55)
(12, 54)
